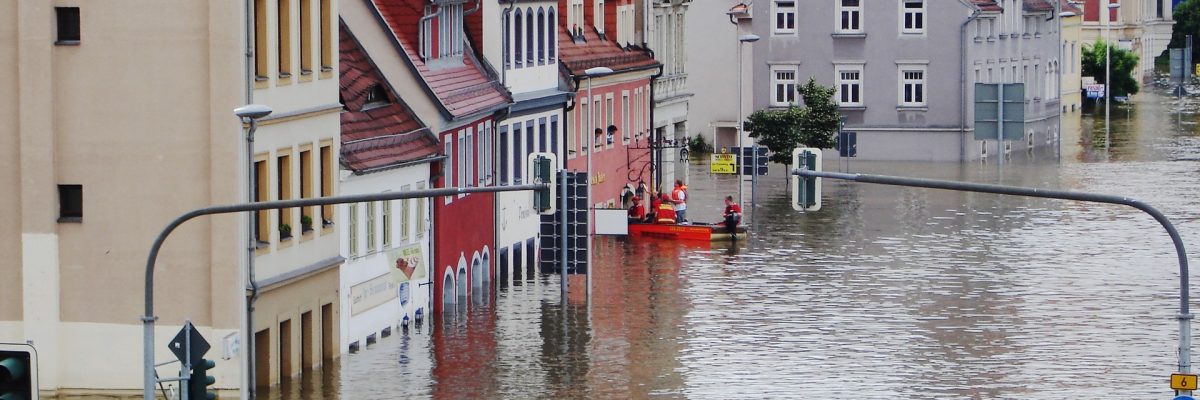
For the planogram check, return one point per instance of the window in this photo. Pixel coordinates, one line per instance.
(783, 79)
(554, 134)
(785, 17)
(518, 29)
(469, 157)
(68, 25)
(283, 186)
(529, 38)
(849, 16)
(327, 183)
(405, 218)
(352, 213)
(70, 203)
(584, 117)
(260, 40)
(326, 37)
(849, 85)
(420, 212)
(529, 141)
(575, 16)
(551, 39)
(449, 39)
(305, 37)
(370, 226)
(517, 160)
(912, 86)
(376, 97)
(598, 15)
(608, 120)
(306, 213)
(541, 37)
(504, 155)
(448, 165)
(386, 223)
(460, 172)
(482, 163)
(542, 134)
(914, 16)
(262, 231)
(625, 118)
(285, 38)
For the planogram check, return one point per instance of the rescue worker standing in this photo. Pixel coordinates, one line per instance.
(666, 212)
(679, 198)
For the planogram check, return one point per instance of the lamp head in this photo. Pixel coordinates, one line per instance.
(252, 111)
(1113, 6)
(1066, 14)
(596, 71)
(750, 38)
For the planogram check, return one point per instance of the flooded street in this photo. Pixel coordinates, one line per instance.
(886, 292)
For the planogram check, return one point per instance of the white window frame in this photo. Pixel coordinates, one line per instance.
(352, 229)
(625, 117)
(921, 96)
(405, 217)
(856, 11)
(840, 81)
(778, 11)
(918, 17)
(371, 231)
(776, 83)
(422, 206)
(470, 157)
(448, 171)
(598, 17)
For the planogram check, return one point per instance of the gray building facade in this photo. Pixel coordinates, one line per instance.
(905, 69)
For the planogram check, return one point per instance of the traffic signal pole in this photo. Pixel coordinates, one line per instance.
(149, 317)
(1184, 316)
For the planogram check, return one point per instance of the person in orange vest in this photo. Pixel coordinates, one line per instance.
(679, 197)
(666, 211)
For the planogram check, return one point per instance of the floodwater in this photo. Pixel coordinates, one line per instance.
(886, 292)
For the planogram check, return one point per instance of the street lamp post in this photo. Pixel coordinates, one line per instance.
(589, 74)
(1108, 86)
(1062, 50)
(250, 114)
(750, 38)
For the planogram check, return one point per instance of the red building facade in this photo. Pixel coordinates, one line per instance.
(601, 34)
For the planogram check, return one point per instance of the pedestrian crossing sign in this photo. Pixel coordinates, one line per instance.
(1183, 381)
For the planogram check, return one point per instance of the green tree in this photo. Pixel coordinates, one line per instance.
(784, 130)
(1187, 22)
(1123, 64)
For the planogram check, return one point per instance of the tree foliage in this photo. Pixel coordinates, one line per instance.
(1123, 64)
(782, 130)
(1187, 22)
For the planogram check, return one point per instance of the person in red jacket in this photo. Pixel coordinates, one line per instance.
(637, 212)
(733, 215)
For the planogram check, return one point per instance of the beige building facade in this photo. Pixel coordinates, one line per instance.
(117, 117)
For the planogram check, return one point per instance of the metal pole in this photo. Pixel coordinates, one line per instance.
(562, 230)
(1184, 316)
(1062, 49)
(1000, 124)
(186, 378)
(148, 318)
(1107, 74)
(251, 246)
(591, 119)
(741, 155)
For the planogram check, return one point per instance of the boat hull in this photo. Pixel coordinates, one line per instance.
(697, 232)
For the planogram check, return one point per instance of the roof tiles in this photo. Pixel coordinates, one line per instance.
(377, 135)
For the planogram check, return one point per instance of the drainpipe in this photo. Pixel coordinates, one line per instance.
(421, 27)
(248, 369)
(657, 150)
(962, 81)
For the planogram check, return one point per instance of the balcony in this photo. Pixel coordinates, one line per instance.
(670, 86)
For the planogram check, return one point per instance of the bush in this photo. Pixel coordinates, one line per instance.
(697, 146)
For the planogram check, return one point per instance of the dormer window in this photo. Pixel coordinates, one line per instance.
(598, 15)
(449, 32)
(376, 97)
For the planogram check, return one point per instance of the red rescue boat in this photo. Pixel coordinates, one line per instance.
(693, 231)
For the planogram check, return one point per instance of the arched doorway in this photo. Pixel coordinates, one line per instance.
(448, 291)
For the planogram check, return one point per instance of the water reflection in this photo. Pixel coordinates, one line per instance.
(887, 292)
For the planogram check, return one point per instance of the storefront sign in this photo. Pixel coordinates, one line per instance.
(372, 293)
(406, 263)
(723, 164)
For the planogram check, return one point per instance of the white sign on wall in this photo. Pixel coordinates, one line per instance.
(372, 293)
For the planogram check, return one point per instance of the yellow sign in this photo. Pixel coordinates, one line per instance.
(1197, 69)
(723, 164)
(1183, 381)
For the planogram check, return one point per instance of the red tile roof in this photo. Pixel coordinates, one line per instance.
(593, 51)
(1038, 5)
(462, 90)
(1068, 6)
(379, 136)
(987, 5)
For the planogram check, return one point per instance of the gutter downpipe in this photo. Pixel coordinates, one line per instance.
(248, 338)
(656, 150)
(962, 82)
(421, 26)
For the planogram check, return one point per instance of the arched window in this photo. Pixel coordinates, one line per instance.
(541, 37)
(517, 42)
(552, 40)
(529, 36)
(447, 293)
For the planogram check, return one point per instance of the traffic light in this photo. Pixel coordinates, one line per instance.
(200, 381)
(18, 372)
(541, 170)
(806, 192)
